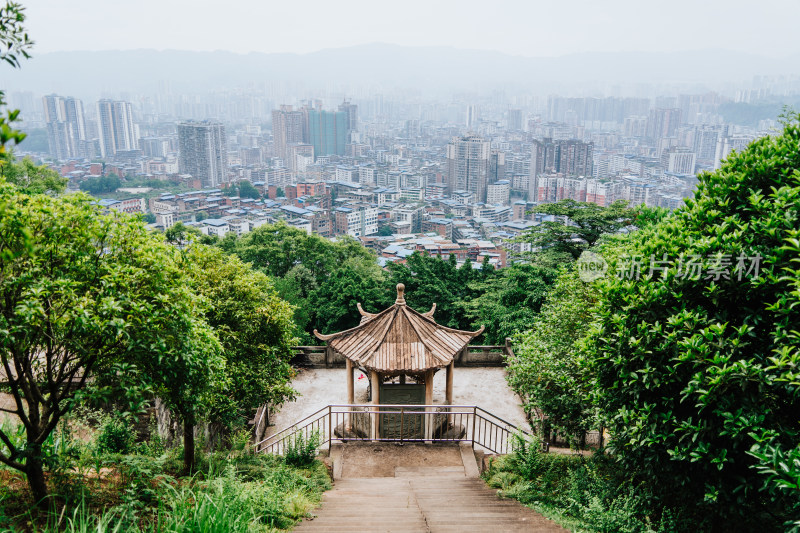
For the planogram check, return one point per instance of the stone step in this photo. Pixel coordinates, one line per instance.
(419, 498)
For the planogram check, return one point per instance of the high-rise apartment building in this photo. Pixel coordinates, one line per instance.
(468, 165)
(663, 122)
(203, 152)
(288, 128)
(117, 131)
(473, 116)
(679, 161)
(327, 131)
(568, 157)
(351, 110)
(66, 127)
(514, 120)
(497, 166)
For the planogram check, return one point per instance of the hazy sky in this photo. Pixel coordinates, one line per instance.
(520, 27)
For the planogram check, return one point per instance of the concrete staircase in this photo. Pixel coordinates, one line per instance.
(420, 498)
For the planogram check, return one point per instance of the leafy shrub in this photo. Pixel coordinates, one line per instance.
(116, 436)
(585, 494)
(697, 374)
(526, 458)
(302, 451)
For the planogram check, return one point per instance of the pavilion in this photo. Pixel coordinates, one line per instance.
(400, 349)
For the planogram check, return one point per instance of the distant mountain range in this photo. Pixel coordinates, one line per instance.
(383, 67)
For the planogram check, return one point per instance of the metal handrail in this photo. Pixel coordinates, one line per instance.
(469, 423)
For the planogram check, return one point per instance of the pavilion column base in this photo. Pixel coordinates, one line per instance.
(376, 401)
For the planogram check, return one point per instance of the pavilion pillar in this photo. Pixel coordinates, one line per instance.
(449, 387)
(351, 396)
(376, 401)
(429, 401)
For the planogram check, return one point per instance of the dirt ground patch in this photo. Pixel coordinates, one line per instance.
(380, 460)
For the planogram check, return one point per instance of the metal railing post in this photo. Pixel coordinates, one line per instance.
(402, 413)
(474, 421)
(330, 425)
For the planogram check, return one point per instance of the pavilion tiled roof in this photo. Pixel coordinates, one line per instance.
(399, 340)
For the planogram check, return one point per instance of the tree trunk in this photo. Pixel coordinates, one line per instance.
(35, 474)
(188, 448)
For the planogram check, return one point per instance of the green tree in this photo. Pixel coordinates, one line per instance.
(297, 288)
(246, 190)
(277, 248)
(385, 231)
(81, 291)
(254, 326)
(101, 184)
(30, 178)
(586, 223)
(507, 301)
(334, 303)
(430, 280)
(695, 370)
(179, 233)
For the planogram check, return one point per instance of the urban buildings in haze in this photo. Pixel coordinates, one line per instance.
(327, 131)
(288, 128)
(66, 128)
(468, 165)
(203, 152)
(117, 132)
(567, 157)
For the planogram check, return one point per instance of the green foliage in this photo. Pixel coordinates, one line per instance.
(14, 46)
(697, 376)
(101, 184)
(304, 265)
(243, 189)
(507, 301)
(254, 327)
(246, 493)
(356, 281)
(385, 231)
(30, 178)
(589, 222)
(115, 436)
(82, 291)
(277, 248)
(14, 41)
(546, 369)
(246, 190)
(179, 233)
(301, 450)
(430, 280)
(584, 494)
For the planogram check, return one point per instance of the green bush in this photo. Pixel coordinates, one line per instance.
(697, 375)
(302, 450)
(116, 436)
(585, 494)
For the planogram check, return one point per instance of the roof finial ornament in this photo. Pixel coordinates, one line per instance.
(400, 298)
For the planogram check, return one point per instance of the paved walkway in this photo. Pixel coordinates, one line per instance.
(416, 488)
